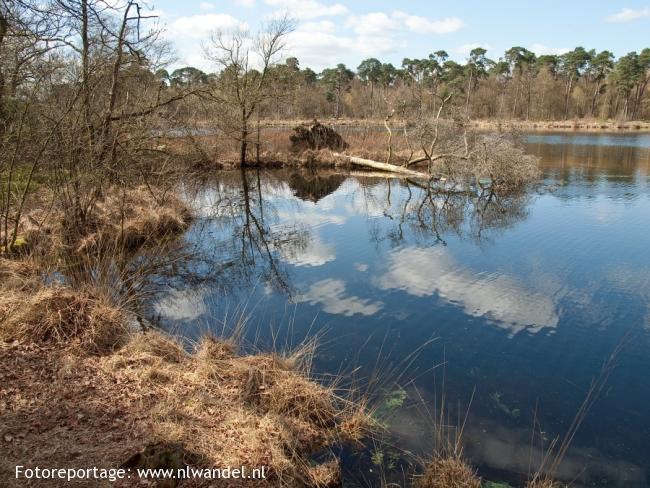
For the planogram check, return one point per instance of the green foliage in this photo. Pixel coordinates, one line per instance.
(520, 59)
(187, 76)
(20, 179)
(495, 484)
(573, 63)
(390, 402)
(501, 405)
(369, 70)
(628, 72)
(336, 79)
(377, 457)
(21, 245)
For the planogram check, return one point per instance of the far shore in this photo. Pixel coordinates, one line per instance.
(577, 125)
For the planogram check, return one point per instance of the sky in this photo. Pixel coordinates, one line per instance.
(334, 31)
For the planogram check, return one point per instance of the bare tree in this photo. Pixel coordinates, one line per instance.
(77, 100)
(244, 61)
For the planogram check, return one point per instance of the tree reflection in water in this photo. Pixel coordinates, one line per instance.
(426, 213)
(254, 224)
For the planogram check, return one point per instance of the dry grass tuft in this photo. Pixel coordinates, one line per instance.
(296, 396)
(18, 274)
(325, 475)
(356, 425)
(149, 348)
(448, 472)
(132, 220)
(543, 482)
(211, 349)
(60, 315)
(121, 218)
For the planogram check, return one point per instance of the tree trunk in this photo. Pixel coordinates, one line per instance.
(243, 148)
(528, 96)
(567, 95)
(338, 104)
(639, 98)
(383, 166)
(4, 26)
(244, 138)
(469, 92)
(257, 143)
(594, 97)
(514, 107)
(85, 52)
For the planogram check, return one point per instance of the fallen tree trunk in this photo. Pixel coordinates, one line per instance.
(384, 166)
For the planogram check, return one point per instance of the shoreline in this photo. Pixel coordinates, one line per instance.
(574, 125)
(73, 344)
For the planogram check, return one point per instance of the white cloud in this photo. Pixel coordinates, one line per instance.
(427, 26)
(188, 32)
(318, 49)
(311, 217)
(201, 26)
(628, 14)
(315, 253)
(324, 48)
(307, 9)
(182, 305)
(380, 23)
(504, 300)
(361, 267)
(319, 26)
(538, 49)
(373, 23)
(330, 294)
(465, 49)
(319, 44)
(206, 6)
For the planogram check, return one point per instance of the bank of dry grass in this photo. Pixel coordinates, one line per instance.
(60, 315)
(578, 125)
(80, 389)
(147, 401)
(125, 218)
(82, 385)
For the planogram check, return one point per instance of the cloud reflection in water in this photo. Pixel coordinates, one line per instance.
(502, 299)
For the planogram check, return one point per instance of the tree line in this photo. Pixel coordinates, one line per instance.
(519, 85)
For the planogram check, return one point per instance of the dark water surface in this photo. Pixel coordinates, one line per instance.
(526, 296)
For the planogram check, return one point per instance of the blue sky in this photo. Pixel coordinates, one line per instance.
(332, 31)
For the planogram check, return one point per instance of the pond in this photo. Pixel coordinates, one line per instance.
(503, 309)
